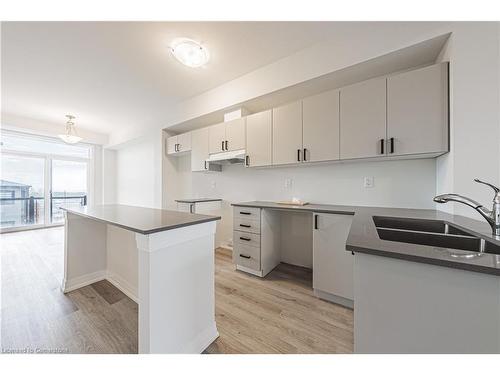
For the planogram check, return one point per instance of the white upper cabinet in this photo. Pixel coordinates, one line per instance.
(235, 134)
(417, 111)
(199, 149)
(259, 139)
(171, 145)
(287, 134)
(179, 143)
(216, 137)
(363, 119)
(227, 136)
(321, 127)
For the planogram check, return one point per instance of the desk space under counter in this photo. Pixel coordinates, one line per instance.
(264, 237)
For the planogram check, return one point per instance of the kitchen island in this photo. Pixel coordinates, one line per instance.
(164, 260)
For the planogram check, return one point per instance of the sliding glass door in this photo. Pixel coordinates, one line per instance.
(39, 175)
(22, 191)
(69, 187)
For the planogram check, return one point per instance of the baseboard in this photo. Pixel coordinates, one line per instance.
(249, 270)
(334, 298)
(81, 281)
(202, 340)
(123, 285)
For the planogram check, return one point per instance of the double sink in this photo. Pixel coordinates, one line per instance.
(434, 233)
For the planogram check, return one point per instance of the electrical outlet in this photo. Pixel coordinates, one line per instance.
(369, 182)
(213, 184)
(288, 183)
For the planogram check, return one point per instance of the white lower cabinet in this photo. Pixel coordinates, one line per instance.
(332, 264)
(256, 234)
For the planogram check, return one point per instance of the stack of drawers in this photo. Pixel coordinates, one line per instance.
(246, 237)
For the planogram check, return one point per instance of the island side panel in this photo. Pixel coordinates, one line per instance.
(84, 252)
(409, 307)
(176, 290)
(122, 260)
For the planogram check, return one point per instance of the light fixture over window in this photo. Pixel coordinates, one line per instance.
(190, 53)
(71, 135)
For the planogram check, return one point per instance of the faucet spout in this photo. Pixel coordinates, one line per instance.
(445, 198)
(492, 217)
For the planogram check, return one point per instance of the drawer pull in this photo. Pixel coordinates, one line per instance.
(245, 226)
(245, 256)
(245, 213)
(245, 239)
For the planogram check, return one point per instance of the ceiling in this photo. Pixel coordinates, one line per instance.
(115, 75)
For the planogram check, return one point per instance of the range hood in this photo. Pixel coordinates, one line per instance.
(227, 157)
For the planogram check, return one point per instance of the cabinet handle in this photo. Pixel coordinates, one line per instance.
(245, 226)
(298, 154)
(205, 164)
(247, 160)
(305, 154)
(382, 146)
(226, 147)
(175, 147)
(244, 213)
(245, 239)
(245, 256)
(316, 222)
(222, 146)
(178, 146)
(392, 145)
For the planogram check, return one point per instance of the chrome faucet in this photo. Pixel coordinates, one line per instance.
(492, 217)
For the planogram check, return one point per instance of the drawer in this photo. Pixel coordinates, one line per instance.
(246, 239)
(246, 225)
(247, 256)
(247, 212)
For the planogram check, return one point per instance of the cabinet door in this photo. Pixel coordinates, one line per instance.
(184, 141)
(321, 126)
(199, 149)
(417, 111)
(216, 137)
(171, 145)
(362, 119)
(259, 146)
(235, 134)
(287, 134)
(332, 264)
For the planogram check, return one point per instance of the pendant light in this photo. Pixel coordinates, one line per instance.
(71, 135)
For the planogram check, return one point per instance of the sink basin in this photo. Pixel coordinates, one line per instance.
(434, 233)
(421, 225)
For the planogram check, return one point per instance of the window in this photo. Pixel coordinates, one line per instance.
(14, 141)
(39, 175)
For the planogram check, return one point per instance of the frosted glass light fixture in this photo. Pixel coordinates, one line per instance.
(71, 135)
(190, 53)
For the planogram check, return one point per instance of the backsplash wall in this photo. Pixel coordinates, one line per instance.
(397, 183)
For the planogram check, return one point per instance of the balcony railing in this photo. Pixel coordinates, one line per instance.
(30, 210)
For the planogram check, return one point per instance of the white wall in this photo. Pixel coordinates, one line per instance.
(138, 172)
(398, 183)
(473, 52)
(109, 175)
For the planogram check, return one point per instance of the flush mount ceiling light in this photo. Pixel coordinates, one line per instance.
(71, 136)
(189, 52)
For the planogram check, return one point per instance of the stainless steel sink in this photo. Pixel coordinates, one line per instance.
(434, 233)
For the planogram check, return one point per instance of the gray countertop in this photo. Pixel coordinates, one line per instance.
(140, 219)
(198, 200)
(363, 236)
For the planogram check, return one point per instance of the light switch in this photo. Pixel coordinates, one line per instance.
(369, 182)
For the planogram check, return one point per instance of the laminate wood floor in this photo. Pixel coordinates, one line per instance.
(277, 314)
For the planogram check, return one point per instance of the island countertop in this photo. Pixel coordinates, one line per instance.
(140, 219)
(363, 236)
